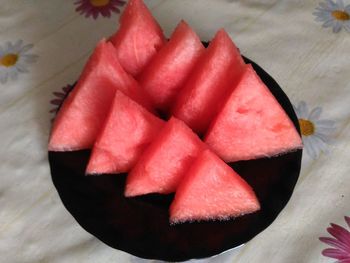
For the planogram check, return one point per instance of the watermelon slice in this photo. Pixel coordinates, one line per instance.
(251, 124)
(163, 78)
(212, 190)
(128, 130)
(220, 66)
(163, 164)
(85, 109)
(139, 37)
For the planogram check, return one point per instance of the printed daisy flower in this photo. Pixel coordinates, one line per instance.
(60, 96)
(96, 7)
(14, 59)
(315, 131)
(333, 14)
(340, 242)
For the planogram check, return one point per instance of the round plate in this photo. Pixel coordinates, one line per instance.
(140, 226)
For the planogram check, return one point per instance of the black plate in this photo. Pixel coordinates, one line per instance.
(140, 226)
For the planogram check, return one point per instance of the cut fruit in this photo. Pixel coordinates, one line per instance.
(128, 130)
(220, 66)
(163, 78)
(162, 166)
(211, 190)
(84, 110)
(139, 37)
(252, 124)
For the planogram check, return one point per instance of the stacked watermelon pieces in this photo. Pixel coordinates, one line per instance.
(171, 114)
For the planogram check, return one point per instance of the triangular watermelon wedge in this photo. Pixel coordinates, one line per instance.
(209, 84)
(162, 165)
(83, 112)
(139, 37)
(164, 77)
(128, 130)
(251, 124)
(211, 190)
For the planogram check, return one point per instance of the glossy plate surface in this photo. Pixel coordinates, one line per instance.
(140, 226)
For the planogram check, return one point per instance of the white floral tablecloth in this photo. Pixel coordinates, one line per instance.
(304, 45)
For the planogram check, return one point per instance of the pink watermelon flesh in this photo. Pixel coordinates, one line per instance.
(139, 37)
(220, 66)
(251, 124)
(85, 109)
(212, 190)
(162, 165)
(128, 130)
(163, 78)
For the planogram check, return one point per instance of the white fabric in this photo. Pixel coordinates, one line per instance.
(310, 62)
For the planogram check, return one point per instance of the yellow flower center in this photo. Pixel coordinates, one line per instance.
(99, 3)
(340, 15)
(307, 127)
(9, 60)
